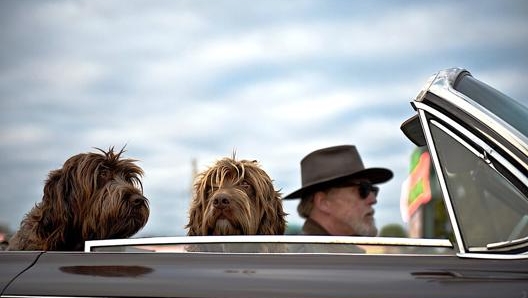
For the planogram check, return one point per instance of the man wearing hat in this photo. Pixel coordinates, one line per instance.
(338, 192)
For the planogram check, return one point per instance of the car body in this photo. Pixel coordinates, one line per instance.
(478, 142)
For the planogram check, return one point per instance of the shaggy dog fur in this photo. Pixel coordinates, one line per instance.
(235, 198)
(93, 196)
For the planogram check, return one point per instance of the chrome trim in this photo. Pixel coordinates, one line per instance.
(488, 150)
(492, 256)
(425, 88)
(442, 182)
(508, 245)
(40, 296)
(442, 87)
(395, 241)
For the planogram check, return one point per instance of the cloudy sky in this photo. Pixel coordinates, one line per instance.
(177, 81)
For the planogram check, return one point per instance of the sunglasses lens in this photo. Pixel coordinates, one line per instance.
(365, 188)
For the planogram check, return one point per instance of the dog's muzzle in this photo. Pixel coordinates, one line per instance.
(137, 200)
(221, 201)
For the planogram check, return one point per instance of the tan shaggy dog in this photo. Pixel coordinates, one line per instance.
(235, 197)
(93, 196)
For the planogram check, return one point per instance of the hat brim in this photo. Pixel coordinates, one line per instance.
(374, 175)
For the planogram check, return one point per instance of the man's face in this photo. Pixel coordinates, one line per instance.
(354, 213)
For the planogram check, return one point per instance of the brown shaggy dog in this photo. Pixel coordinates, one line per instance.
(235, 198)
(93, 196)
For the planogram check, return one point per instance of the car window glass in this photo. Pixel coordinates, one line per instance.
(487, 206)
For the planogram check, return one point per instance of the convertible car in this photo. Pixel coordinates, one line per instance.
(477, 139)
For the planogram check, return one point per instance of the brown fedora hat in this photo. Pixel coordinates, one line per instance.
(336, 163)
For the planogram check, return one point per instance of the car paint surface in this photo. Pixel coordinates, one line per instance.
(275, 275)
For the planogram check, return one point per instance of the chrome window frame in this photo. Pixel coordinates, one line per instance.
(441, 86)
(442, 182)
(487, 149)
(352, 240)
(423, 110)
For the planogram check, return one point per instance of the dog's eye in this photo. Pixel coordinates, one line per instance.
(246, 186)
(104, 173)
(209, 190)
(103, 176)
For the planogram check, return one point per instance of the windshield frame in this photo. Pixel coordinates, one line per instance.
(493, 137)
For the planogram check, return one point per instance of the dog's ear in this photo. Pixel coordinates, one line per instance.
(195, 218)
(196, 210)
(273, 220)
(54, 216)
(273, 217)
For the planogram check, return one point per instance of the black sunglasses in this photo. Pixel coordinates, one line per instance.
(365, 188)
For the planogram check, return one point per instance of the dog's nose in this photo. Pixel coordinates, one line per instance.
(221, 202)
(137, 199)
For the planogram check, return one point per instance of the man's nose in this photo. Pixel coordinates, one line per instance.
(372, 198)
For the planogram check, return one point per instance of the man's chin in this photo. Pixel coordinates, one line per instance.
(369, 230)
